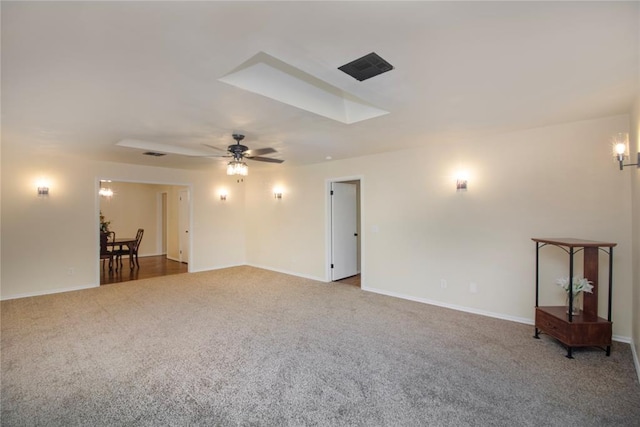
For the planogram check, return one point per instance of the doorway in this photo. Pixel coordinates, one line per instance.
(156, 209)
(344, 233)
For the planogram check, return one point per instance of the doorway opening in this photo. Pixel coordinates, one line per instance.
(156, 208)
(345, 258)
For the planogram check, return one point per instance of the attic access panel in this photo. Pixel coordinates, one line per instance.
(366, 67)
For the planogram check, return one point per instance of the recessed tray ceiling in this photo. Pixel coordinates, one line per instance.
(159, 147)
(268, 76)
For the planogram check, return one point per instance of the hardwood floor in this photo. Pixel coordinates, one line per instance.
(353, 280)
(155, 266)
(151, 266)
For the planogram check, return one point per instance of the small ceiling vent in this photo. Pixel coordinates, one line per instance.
(154, 154)
(366, 67)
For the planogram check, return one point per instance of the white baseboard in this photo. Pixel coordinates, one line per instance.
(636, 362)
(49, 291)
(212, 268)
(141, 255)
(620, 338)
(524, 320)
(291, 273)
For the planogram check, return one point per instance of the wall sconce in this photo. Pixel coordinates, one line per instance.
(462, 179)
(621, 150)
(277, 193)
(223, 195)
(43, 188)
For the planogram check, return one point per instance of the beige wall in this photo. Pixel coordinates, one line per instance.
(51, 244)
(133, 206)
(558, 181)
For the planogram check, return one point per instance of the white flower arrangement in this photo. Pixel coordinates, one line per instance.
(580, 284)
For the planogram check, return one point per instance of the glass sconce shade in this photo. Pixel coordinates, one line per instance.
(621, 146)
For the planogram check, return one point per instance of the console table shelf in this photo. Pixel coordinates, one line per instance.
(585, 329)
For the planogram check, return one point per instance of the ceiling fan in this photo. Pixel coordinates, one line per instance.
(240, 152)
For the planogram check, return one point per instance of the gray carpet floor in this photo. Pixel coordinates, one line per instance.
(245, 346)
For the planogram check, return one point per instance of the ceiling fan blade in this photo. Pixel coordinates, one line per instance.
(260, 151)
(265, 159)
(214, 156)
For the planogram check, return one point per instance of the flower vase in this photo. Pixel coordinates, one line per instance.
(576, 304)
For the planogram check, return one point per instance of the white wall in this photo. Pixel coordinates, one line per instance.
(287, 234)
(558, 181)
(43, 238)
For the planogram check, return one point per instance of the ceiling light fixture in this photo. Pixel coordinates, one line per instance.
(105, 191)
(237, 167)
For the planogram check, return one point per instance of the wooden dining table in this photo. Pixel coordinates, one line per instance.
(119, 242)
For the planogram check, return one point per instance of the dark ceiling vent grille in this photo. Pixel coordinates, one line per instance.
(154, 154)
(366, 67)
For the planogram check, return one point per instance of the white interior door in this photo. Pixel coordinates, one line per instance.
(344, 230)
(183, 225)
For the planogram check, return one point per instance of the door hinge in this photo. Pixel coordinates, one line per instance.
(331, 265)
(332, 192)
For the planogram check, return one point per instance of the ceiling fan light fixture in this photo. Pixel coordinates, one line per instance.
(237, 167)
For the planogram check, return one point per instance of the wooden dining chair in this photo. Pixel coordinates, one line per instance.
(131, 250)
(105, 253)
(136, 246)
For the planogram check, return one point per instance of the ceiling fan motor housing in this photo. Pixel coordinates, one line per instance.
(238, 150)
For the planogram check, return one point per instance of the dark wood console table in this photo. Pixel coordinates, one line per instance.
(585, 329)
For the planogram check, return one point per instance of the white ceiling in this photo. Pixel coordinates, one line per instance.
(81, 76)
